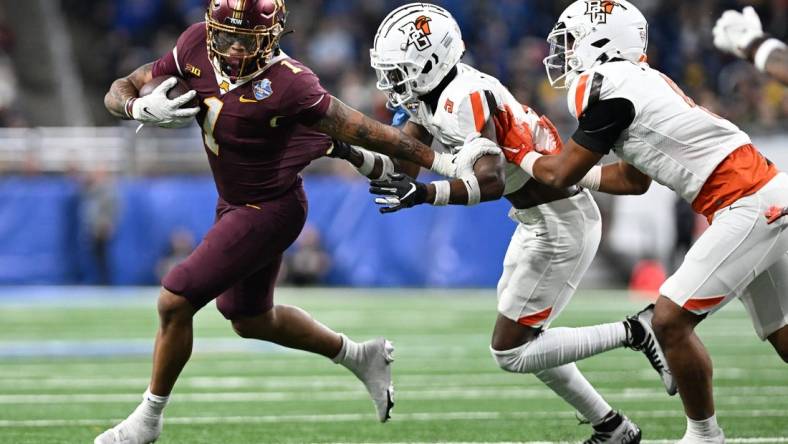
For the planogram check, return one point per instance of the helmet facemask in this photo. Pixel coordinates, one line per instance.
(258, 46)
(562, 64)
(396, 80)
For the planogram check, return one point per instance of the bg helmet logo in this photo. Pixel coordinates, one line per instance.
(599, 10)
(418, 33)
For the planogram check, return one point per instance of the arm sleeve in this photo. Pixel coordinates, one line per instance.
(167, 65)
(602, 123)
(306, 100)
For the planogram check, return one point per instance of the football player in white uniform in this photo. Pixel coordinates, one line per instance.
(416, 55)
(741, 34)
(598, 52)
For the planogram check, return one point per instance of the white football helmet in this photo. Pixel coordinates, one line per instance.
(415, 47)
(591, 32)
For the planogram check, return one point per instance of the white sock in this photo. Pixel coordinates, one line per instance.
(705, 428)
(559, 346)
(153, 405)
(568, 383)
(349, 354)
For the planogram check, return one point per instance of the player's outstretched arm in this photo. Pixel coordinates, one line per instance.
(348, 125)
(777, 63)
(484, 183)
(576, 165)
(741, 34)
(125, 89)
(376, 166)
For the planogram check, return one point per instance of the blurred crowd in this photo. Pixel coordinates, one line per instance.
(9, 111)
(505, 38)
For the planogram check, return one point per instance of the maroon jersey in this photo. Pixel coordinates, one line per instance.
(255, 134)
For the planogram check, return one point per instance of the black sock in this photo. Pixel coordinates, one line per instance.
(610, 423)
(636, 332)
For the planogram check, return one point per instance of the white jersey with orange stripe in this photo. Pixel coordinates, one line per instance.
(465, 107)
(671, 139)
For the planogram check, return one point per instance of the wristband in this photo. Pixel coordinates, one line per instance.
(369, 163)
(442, 193)
(387, 166)
(529, 161)
(764, 51)
(593, 179)
(474, 191)
(128, 107)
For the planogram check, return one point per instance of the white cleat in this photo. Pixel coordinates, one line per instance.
(651, 348)
(136, 429)
(374, 370)
(626, 433)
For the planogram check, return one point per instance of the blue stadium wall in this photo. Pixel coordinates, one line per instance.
(43, 237)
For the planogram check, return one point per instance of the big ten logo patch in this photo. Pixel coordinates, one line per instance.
(417, 33)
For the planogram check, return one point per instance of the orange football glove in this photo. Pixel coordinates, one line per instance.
(775, 213)
(515, 138)
(549, 141)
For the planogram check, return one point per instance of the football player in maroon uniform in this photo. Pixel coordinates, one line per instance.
(264, 117)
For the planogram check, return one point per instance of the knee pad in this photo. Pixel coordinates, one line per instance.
(513, 360)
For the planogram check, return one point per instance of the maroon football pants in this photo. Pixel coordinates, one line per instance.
(238, 260)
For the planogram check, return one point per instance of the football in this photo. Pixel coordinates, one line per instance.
(178, 90)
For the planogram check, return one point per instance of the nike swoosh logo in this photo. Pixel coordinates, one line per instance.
(145, 110)
(608, 126)
(275, 121)
(511, 150)
(243, 99)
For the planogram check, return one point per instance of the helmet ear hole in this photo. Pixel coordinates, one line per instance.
(429, 65)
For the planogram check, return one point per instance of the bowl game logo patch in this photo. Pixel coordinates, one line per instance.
(262, 89)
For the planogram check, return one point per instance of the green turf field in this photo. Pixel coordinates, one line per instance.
(448, 388)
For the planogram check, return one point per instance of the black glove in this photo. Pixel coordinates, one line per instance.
(339, 150)
(399, 191)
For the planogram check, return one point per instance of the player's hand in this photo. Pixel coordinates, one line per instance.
(735, 31)
(515, 138)
(474, 148)
(397, 192)
(775, 213)
(157, 109)
(339, 150)
(547, 141)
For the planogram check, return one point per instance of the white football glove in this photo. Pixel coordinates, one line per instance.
(735, 31)
(157, 109)
(461, 164)
(475, 148)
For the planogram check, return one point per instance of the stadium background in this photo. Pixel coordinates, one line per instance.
(85, 202)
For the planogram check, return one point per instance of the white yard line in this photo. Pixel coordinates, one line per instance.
(354, 417)
(740, 396)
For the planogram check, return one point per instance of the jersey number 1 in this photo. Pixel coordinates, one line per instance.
(209, 124)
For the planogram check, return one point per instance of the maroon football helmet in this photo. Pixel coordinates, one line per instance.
(243, 34)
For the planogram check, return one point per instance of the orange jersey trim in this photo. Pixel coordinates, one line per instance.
(536, 318)
(478, 111)
(741, 174)
(580, 94)
(703, 304)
